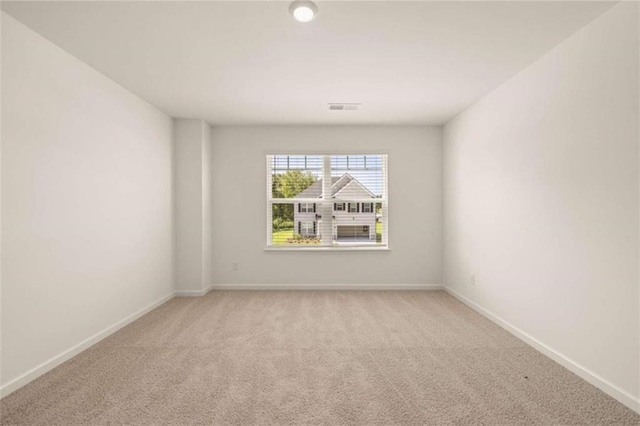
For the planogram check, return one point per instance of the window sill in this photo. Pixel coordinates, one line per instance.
(327, 248)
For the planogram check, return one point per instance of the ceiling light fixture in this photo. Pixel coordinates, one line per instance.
(304, 10)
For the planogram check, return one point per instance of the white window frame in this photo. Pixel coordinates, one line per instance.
(306, 225)
(306, 207)
(324, 208)
(368, 208)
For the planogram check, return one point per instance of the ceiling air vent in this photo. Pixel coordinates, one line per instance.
(344, 107)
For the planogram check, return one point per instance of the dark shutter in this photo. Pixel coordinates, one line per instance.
(299, 228)
(314, 207)
(344, 206)
(372, 208)
(334, 206)
(314, 228)
(298, 208)
(357, 207)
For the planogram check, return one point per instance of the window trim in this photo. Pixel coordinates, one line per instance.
(315, 248)
(327, 206)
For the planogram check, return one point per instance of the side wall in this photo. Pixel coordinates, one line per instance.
(87, 205)
(415, 212)
(541, 203)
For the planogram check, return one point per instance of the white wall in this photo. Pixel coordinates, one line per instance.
(541, 202)
(87, 204)
(239, 197)
(207, 208)
(192, 149)
(1, 203)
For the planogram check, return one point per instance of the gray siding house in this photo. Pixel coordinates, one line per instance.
(352, 221)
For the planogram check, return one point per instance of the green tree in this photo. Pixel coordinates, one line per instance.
(293, 182)
(288, 185)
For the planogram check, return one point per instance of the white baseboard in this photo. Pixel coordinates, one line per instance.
(326, 287)
(52, 363)
(609, 388)
(193, 293)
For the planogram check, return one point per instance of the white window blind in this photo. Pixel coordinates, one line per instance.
(327, 200)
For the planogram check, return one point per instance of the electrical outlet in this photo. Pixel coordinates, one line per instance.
(472, 279)
(234, 266)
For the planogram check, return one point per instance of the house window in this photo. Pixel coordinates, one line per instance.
(307, 207)
(307, 228)
(321, 184)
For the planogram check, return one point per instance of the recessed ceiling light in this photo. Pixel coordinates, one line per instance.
(303, 10)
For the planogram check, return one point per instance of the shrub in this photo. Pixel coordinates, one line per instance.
(281, 223)
(299, 239)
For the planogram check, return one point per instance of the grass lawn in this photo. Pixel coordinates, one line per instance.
(280, 237)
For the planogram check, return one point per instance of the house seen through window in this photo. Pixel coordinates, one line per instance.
(327, 200)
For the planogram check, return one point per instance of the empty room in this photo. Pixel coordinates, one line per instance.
(320, 213)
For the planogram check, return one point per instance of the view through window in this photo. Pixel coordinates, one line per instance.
(327, 200)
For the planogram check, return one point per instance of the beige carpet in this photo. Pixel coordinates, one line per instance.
(311, 357)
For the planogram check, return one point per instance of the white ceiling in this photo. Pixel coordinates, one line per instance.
(251, 63)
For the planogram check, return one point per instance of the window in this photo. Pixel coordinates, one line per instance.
(307, 207)
(322, 185)
(307, 228)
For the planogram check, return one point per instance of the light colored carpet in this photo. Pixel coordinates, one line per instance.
(312, 357)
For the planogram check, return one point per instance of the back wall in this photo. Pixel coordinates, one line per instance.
(239, 211)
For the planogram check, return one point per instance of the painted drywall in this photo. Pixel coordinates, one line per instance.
(87, 203)
(192, 149)
(1, 133)
(541, 201)
(239, 197)
(207, 220)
